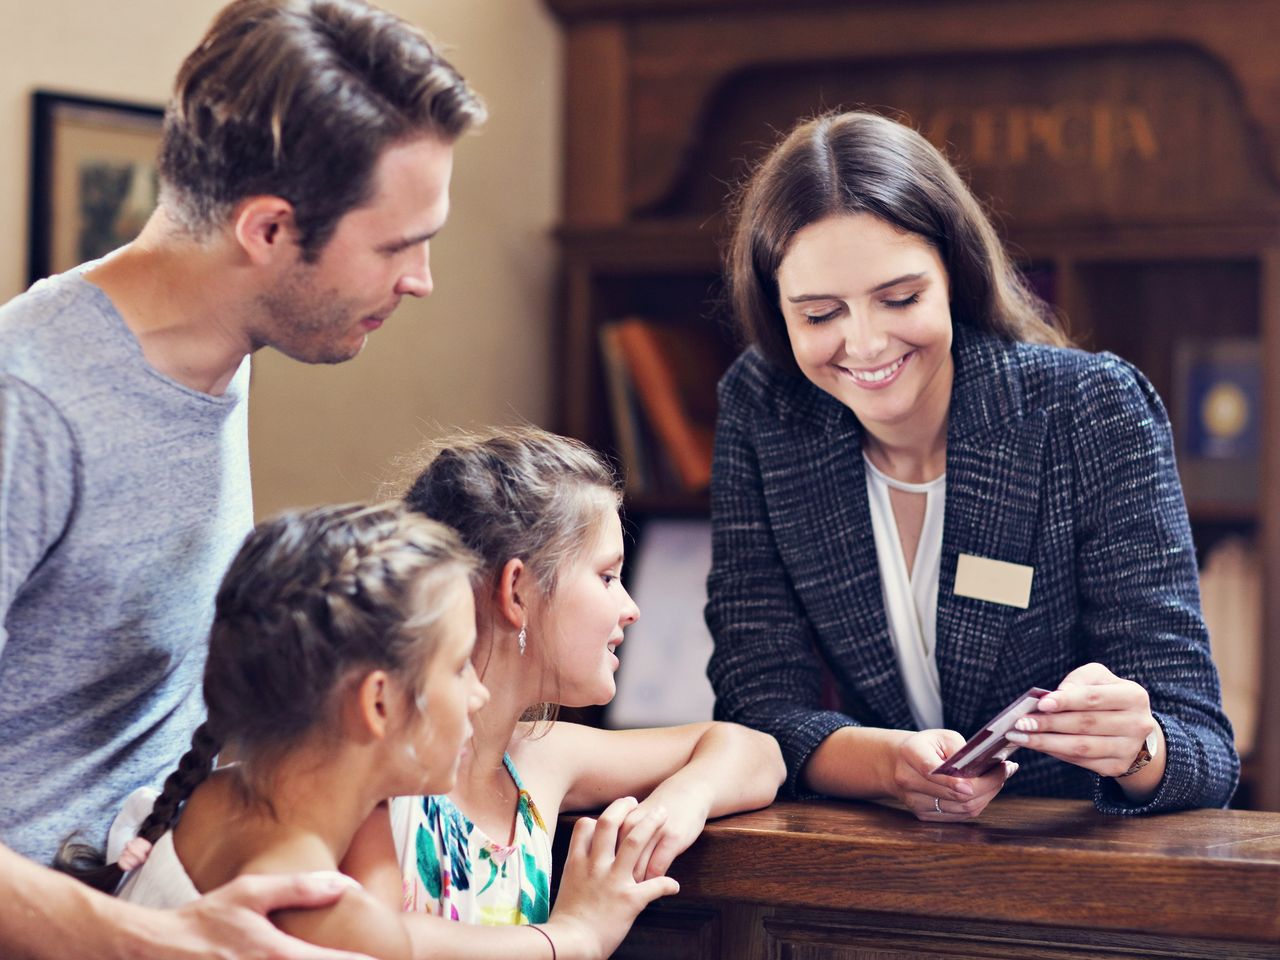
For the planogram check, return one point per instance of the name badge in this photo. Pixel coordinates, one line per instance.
(994, 581)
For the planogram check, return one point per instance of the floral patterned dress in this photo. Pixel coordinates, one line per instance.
(450, 868)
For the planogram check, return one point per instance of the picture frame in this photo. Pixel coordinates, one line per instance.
(1217, 419)
(93, 177)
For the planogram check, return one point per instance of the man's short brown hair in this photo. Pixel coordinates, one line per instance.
(298, 99)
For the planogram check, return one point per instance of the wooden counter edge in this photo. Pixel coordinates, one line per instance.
(1089, 870)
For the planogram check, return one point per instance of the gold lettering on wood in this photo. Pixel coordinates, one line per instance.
(1099, 134)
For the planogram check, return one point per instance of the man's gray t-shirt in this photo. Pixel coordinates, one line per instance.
(123, 497)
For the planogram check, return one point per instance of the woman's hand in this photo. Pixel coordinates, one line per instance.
(939, 798)
(599, 896)
(1094, 720)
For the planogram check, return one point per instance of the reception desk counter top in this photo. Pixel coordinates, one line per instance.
(1030, 878)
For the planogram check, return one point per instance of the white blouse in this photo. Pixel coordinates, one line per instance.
(911, 602)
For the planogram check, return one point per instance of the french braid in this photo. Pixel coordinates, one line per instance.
(522, 493)
(86, 862)
(311, 597)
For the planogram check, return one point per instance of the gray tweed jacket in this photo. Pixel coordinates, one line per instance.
(1057, 459)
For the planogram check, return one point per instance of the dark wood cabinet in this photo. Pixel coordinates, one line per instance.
(1128, 149)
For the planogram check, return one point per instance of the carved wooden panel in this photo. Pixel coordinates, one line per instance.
(1116, 134)
(889, 938)
(674, 933)
(678, 63)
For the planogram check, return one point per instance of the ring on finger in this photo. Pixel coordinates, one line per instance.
(937, 804)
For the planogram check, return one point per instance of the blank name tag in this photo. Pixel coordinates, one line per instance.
(994, 581)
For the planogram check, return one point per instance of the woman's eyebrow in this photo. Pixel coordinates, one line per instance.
(804, 297)
(905, 278)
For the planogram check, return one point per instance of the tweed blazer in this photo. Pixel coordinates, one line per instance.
(1056, 459)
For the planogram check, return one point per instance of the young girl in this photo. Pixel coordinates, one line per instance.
(542, 513)
(339, 674)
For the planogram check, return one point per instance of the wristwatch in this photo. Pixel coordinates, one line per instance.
(1146, 754)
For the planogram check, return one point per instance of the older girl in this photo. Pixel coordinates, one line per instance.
(541, 511)
(919, 486)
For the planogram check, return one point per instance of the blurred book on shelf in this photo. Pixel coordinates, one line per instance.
(661, 382)
(629, 430)
(1217, 418)
(1231, 598)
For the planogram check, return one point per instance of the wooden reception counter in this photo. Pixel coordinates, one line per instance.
(1032, 878)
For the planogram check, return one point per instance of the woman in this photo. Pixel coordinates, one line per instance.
(918, 484)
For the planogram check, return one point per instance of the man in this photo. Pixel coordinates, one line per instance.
(304, 169)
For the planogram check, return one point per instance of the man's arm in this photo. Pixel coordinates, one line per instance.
(50, 915)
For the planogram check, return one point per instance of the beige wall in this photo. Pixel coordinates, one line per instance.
(475, 352)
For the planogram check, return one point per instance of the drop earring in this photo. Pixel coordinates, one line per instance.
(522, 639)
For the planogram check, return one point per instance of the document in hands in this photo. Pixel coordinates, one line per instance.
(988, 746)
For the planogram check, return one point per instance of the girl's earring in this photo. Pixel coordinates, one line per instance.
(522, 639)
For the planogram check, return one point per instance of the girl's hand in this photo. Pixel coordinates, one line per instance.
(599, 896)
(940, 798)
(686, 809)
(1094, 720)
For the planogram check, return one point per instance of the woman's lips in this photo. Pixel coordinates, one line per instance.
(880, 377)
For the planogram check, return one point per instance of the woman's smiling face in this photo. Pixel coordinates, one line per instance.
(868, 315)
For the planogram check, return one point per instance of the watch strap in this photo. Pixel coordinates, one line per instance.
(1145, 754)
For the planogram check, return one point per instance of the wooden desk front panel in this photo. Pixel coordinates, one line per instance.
(707, 930)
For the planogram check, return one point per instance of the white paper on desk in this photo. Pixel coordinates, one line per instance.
(663, 677)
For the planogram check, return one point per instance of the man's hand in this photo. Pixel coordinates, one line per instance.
(231, 922)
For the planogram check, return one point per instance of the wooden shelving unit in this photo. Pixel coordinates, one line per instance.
(1130, 149)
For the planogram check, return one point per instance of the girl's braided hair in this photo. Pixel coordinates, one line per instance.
(312, 599)
(522, 493)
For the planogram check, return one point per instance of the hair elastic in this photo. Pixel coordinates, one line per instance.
(550, 942)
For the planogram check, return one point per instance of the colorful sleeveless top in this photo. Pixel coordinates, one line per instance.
(450, 868)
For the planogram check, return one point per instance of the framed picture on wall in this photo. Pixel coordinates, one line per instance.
(93, 177)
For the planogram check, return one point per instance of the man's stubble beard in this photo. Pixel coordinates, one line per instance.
(306, 326)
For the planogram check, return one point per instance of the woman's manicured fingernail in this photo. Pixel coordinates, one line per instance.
(1026, 723)
(1014, 736)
